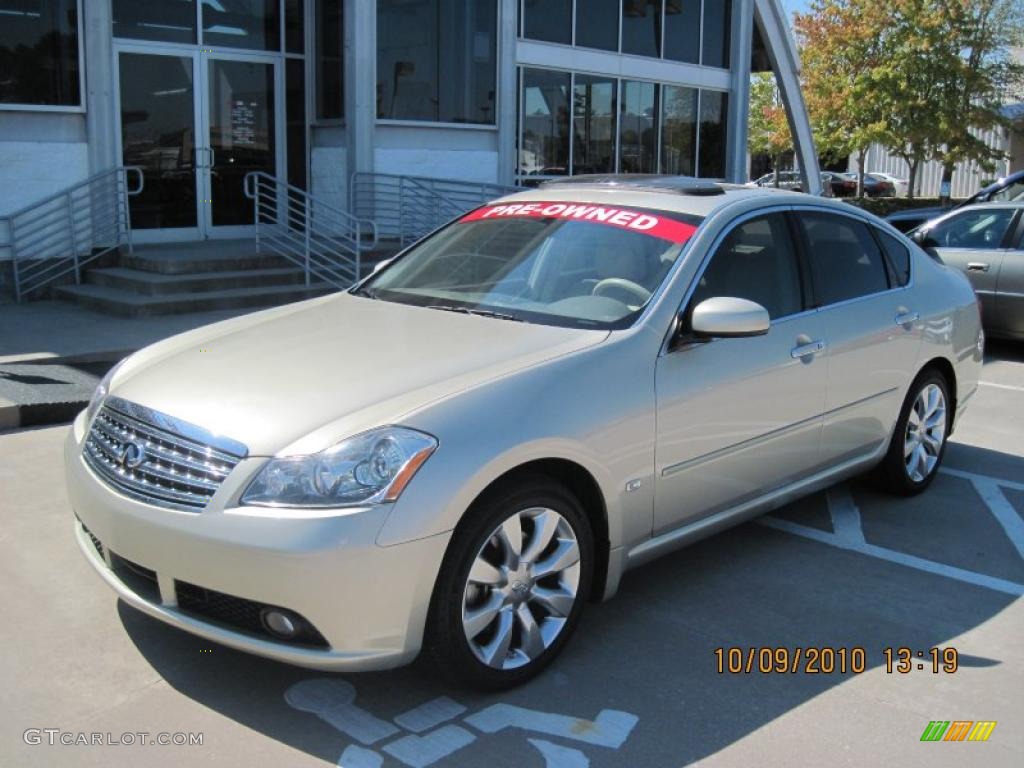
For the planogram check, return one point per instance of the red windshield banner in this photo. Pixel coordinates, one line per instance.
(644, 222)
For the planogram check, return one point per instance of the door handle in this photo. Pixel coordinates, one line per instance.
(907, 318)
(806, 350)
(977, 266)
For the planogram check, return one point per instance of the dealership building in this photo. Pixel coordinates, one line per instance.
(198, 93)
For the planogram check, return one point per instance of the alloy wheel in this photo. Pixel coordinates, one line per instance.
(926, 431)
(521, 588)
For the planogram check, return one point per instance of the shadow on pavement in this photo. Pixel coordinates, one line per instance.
(650, 651)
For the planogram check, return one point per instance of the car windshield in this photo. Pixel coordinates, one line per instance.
(557, 263)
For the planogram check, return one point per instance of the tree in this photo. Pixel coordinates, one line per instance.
(843, 45)
(768, 131)
(950, 60)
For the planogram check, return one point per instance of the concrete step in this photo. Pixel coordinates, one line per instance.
(186, 262)
(160, 284)
(116, 301)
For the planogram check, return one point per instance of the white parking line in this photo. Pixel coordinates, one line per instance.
(1011, 387)
(901, 558)
(849, 534)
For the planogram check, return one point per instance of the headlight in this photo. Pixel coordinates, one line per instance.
(101, 392)
(371, 468)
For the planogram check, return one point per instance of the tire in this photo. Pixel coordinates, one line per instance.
(510, 621)
(910, 474)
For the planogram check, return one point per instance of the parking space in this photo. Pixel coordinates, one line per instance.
(638, 686)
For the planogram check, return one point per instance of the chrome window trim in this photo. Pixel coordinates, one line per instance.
(711, 251)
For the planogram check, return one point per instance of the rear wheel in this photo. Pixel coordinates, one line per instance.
(919, 440)
(512, 586)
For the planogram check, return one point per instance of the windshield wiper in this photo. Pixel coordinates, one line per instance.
(477, 312)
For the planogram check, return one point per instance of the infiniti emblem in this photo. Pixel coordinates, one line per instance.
(520, 588)
(132, 454)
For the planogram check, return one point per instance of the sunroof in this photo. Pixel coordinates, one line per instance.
(684, 185)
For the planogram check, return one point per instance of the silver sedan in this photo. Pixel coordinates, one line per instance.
(461, 451)
(986, 242)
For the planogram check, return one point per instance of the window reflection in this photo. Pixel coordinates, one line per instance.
(171, 21)
(637, 132)
(548, 20)
(253, 24)
(717, 21)
(436, 60)
(641, 27)
(545, 123)
(679, 130)
(330, 83)
(39, 53)
(713, 110)
(597, 24)
(682, 30)
(594, 108)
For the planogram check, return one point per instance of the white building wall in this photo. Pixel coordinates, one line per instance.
(968, 178)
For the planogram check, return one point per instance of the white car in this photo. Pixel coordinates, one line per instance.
(493, 428)
(902, 186)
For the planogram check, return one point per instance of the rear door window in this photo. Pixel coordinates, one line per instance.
(846, 262)
(899, 258)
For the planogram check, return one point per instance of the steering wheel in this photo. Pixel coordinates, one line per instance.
(621, 284)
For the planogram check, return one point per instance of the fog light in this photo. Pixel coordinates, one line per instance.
(279, 623)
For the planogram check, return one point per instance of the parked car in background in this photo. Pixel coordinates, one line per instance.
(555, 388)
(873, 186)
(1007, 190)
(901, 187)
(840, 184)
(788, 180)
(986, 242)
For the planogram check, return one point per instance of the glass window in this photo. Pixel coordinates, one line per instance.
(561, 263)
(641, 27)
(295, 121)
(682, 30)
(253, 24)
(39, 53)
(418, 41)
(597, 24)
(979, 228)
(845, 260)
(330, 65)
(679, 130)
(545, 123)
(899, 258)
(171, 21)
(594, 113)
(1009, 193)
(757, 262)
(717, 33)
(713, 115)
(638, 128)
(548, 20)
(295, 26)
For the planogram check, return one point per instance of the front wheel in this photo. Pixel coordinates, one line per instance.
(512, 586)
(919, 440)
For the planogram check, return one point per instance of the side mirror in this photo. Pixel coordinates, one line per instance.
(922, 238)
(729, 317)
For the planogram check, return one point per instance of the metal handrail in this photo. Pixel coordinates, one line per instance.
(408, 207)
(326, 241)
(62, 232)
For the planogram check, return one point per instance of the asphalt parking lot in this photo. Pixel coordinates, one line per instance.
(639, 685)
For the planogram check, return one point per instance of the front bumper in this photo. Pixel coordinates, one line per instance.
(368, 602)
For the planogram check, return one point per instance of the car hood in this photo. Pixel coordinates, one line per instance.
(299, 378)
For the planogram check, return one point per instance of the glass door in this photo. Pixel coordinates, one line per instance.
(242, 122)
(158, 110)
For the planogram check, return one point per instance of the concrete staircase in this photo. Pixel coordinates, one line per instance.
(194, 277)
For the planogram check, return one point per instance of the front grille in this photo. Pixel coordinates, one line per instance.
(156, 458)
(239, 613)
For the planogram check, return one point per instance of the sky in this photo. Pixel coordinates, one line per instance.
(794, 5)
